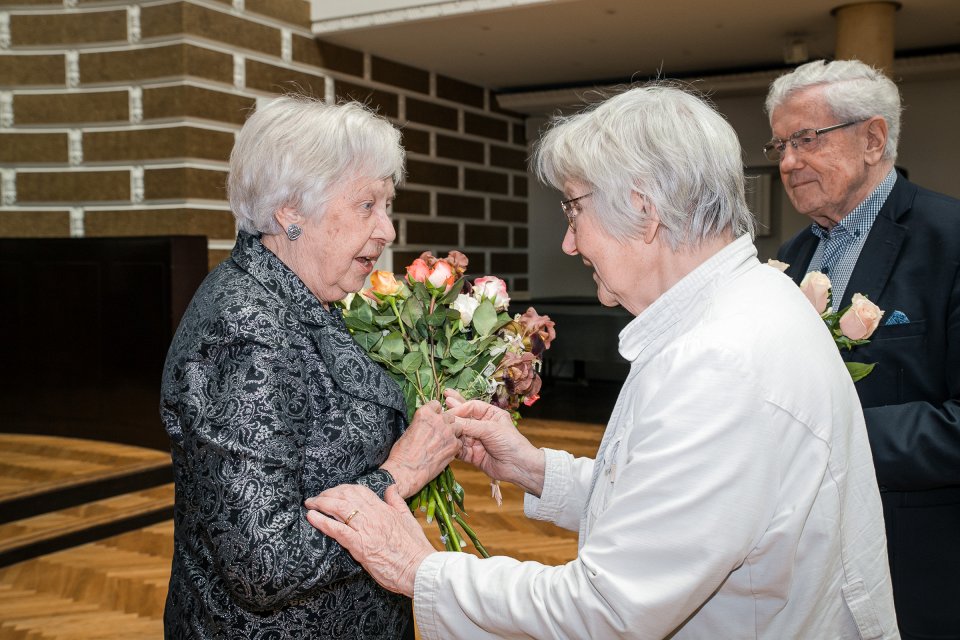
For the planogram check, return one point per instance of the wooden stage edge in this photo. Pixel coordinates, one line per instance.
(106, 583)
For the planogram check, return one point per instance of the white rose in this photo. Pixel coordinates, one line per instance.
(466, 305)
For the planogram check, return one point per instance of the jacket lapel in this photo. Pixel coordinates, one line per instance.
(806, 247)
(352, 368)
(883, 245)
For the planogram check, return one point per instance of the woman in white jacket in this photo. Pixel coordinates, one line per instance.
(733, 494)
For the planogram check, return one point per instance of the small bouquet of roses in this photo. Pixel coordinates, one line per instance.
(851, 326)
(434, 330)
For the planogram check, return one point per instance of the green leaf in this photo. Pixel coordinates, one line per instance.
(453, 367)
(859, 370)
(451, 295)
(411, 312)
(461, 349)
(356, 324)
(438, 317)
(421, 293)
(411, 362)
(427, 383)
(365, 313)
(484, 318)
(469, 380)
(384, 321)
(368, 340)
(392, 347)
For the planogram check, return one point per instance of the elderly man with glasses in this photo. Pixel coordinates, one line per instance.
(835, 128)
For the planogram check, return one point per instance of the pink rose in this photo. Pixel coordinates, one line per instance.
(861, 319)
(418, 270)
(441, 275)
(384, 283)
(816, 287)
(493, 288)
(776, 264)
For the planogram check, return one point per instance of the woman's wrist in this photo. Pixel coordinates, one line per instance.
(400, 478)
(531, 473)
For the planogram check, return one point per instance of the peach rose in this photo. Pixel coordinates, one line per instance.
(776, 264)
(816, 287)
(861, 319)
(384, 283)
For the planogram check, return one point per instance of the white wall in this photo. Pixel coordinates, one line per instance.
(929, 148)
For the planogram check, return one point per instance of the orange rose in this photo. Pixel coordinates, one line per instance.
(418, 270)
(384, 283)
(861, 319)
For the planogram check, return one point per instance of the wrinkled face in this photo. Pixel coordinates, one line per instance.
(338, 249)
(621, 271)
(829, 182)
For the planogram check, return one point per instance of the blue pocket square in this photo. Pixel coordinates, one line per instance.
(897, 317)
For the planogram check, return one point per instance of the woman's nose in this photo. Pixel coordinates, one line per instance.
(569, 245)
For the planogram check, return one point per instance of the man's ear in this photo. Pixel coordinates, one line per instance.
(651, 219)
(876, 142)
(285, 216)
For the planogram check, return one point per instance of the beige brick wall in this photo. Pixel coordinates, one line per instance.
(117, 119)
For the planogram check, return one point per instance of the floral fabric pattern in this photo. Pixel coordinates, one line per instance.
(268, 400)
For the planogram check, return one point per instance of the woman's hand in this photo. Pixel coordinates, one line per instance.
(382, 536)
(425, 448)
(491, 443)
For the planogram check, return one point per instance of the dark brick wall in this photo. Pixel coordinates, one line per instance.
(118, 119)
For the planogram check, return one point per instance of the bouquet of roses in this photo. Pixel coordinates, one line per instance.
(851, 326)
(434, 330)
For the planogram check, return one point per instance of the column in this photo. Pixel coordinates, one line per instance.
(865, 32)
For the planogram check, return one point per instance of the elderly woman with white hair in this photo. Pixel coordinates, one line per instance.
(268, 400)
(733, 494)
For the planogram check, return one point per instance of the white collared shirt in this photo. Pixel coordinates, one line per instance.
(733, 495)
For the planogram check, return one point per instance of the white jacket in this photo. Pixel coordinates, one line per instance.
(733, 495)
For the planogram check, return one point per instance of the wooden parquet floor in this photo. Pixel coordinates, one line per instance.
(115, 588)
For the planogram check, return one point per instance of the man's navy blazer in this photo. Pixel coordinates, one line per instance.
(911, 263)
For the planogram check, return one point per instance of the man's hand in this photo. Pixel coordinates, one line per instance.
(384, 537)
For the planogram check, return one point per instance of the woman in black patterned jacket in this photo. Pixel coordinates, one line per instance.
(268, 400)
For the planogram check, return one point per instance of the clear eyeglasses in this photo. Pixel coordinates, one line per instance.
(572, 209)
(803, 141)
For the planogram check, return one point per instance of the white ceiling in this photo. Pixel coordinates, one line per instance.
(529, 44)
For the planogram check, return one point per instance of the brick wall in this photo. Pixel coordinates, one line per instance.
(117, 119)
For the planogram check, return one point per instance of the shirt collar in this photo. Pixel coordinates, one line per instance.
(857, 223)
(684, 302)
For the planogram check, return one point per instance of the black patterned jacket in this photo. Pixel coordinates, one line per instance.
(268, 400)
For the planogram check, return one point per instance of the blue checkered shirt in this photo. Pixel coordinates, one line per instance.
(840, 247)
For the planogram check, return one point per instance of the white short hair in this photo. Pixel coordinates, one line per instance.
(294, 152)
(660, 141)
(853, 90)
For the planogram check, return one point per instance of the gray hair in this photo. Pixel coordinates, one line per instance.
(852, 90)
(662, 142)
(294, 152)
